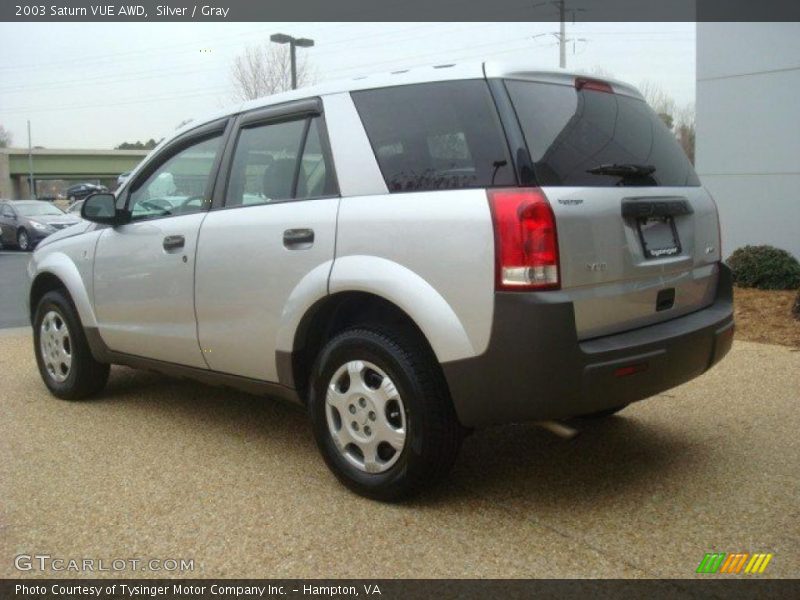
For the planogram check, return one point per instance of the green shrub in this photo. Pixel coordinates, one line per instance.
(765, 268)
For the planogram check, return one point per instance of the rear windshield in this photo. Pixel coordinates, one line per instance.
(571, 133)
(436, 136)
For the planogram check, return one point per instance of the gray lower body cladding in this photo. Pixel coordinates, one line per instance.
(535, 367)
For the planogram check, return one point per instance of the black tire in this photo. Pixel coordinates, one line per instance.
(433, 433)
(602, 414)
(85, 376)
(23, 240)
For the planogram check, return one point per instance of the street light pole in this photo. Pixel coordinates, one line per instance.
(30, 164)
(293, 58)
(294, 43)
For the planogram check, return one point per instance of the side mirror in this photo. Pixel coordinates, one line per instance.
(102, 208)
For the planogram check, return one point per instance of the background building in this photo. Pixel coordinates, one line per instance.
(748, 130)
(55, 170)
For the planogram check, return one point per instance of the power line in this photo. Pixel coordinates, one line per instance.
(179, 70)
(210, 91)
(562, 7)
(103, 79)
(205, 91)
(113, 58)
(444, 56)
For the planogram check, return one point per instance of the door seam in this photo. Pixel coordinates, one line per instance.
(194, 290)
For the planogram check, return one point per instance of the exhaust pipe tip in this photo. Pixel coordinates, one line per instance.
(560, 429)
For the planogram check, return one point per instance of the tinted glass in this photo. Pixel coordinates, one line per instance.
(569, 132)
(316, 177)
(264, 163)
(178, 186)
(436, 136)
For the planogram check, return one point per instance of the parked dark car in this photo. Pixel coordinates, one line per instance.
(25, 223)
(82, 190)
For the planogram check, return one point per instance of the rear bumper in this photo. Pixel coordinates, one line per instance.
(535, 367)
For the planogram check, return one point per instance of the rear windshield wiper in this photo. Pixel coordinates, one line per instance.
(623, 170)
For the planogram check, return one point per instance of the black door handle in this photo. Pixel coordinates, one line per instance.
(173, 242)
(298, 239)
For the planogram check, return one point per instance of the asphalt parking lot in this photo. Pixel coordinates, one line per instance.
(159, 468)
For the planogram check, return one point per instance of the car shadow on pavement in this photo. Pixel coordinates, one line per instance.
(618, 455)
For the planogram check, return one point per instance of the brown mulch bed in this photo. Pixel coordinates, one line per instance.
(766, 317)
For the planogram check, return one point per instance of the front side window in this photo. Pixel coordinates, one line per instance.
(436, 136)
(179, 185)
(267, 166)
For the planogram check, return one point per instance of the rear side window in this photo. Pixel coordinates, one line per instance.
(315, 178)
(265, 163)
(436, 136)
(571, 133)
(265, 166)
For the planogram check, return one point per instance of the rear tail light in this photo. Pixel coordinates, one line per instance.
(583, 83)
(526, 246)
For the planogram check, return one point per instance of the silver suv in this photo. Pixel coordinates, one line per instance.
(409, 256)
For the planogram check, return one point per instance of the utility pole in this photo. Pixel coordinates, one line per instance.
(294, 43)
(562, 35)
(30, 164)
(562, 30)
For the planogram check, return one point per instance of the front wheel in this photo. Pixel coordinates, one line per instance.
(63, 356)
(381, 413)
(23, 240)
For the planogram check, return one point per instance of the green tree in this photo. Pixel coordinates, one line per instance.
(137, 145)
(668, 120)
(5, 137)
(678, 119)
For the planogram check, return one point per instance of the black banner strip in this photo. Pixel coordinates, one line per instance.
(742, 588)
(400, 10)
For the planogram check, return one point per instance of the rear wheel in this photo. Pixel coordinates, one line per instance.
(63, 356)
(382, 414)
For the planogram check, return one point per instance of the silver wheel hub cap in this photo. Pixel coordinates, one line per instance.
(55, 346)
(366, 417)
